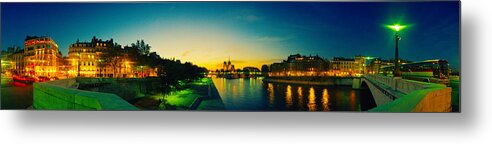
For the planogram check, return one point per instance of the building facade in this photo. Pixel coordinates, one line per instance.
(96, 58)
(374, 66)
(17, 61)
(297, 65)
(86, 60)
(40, 57)
(341, 66)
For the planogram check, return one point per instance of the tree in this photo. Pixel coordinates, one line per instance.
(112, 58)
(172, 71)
(143, 48)
(265, 70)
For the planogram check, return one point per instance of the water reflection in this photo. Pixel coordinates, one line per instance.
(288, 97)
(325, 100)
(300, 98)
(312, 100)
(253, 94)
(272, 93)
(352, 99)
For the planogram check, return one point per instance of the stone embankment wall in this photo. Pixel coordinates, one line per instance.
(308, 80)
(64, 95)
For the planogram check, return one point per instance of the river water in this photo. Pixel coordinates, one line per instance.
(254, 95)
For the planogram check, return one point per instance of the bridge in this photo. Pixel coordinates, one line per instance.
(402, 95)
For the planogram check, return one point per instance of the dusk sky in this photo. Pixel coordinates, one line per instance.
(250, 33)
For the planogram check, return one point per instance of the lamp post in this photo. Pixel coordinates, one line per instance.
(397, 28)
(78, 65)
(126, 69)
(100, 67)
(364, 65)
(142, 71)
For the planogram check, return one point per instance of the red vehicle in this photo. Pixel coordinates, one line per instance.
(31, 79)
(55, 78)
(43, 78)
(25, 79)
(18, 78)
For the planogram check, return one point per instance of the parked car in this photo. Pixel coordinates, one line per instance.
(31, 79)
(55, 78)
(18, 78)
(25, 79)
(43, 78)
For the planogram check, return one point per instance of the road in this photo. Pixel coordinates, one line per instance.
(15, 95)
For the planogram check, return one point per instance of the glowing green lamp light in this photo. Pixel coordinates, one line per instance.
(397, 27)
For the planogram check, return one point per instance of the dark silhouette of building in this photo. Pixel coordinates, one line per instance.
(298, 65)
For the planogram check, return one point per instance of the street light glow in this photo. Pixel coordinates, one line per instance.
(397, 27)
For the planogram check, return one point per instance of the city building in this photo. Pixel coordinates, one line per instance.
(96, 58)
(86, 59)
(228, 66)
(374, 66)
(41, 57)
(251, 71)
(297, 65)
(141, 71)
(17, 61)
(341, 66)
(12, 60)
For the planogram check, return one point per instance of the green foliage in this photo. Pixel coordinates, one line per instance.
(172, 71)
(143, 48)
(112, 57)
(265, 70)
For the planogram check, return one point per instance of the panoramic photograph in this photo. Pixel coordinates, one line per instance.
(390, 57)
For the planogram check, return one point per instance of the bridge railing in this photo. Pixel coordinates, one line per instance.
(414, 96)
(402, 85)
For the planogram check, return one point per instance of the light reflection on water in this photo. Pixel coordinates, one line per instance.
(312, 101)
(300, 98)
(288, 97)
(325, 100)
(253, 95)
(271, 93)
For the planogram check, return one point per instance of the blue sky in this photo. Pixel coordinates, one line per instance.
(250, 33)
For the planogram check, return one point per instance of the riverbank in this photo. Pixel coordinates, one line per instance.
(197, 95)
(312, 80)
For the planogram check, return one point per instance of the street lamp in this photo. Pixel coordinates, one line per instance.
(100, 67)
(397, 28)
(141, 69)
(78, 65)
(126, 68)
